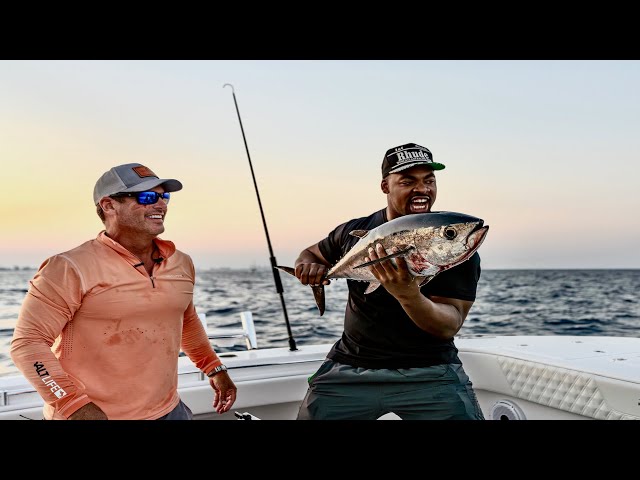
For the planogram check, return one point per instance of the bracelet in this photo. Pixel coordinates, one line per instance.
(218, 369)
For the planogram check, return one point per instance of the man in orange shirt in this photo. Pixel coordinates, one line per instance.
(102, 325)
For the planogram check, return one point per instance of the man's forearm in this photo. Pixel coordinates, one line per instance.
(440, 319)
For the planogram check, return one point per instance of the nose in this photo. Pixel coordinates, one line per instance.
(422, 187)
(160, 205)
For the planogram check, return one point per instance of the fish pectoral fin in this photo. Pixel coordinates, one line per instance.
(372, 286)
(359, 233)
(318, 294)
(388, 257)
(289, 270)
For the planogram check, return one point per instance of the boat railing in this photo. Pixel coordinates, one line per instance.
(224, 336)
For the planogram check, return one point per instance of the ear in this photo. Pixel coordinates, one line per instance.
(384, 186)
(106, 204)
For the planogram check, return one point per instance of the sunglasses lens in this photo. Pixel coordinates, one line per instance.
(148, 198)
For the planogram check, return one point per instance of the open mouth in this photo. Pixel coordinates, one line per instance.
(419, 204)
(478, 235)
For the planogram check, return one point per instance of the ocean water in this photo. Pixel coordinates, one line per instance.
(509, 302)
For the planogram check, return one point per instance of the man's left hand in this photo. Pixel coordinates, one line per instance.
(395, 277)
(224, 391)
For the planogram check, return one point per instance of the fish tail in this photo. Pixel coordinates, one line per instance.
(318, 294)
(318, 290)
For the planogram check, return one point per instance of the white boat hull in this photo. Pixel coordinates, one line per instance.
(515, 377)
(555, 377)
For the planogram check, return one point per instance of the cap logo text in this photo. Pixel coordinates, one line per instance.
(409, 156)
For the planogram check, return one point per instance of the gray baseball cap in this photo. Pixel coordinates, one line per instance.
(131, 177)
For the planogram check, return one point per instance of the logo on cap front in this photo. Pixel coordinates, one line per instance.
(404, 156)
(143, 171)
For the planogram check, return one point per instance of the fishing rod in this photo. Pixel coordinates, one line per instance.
(272, 258)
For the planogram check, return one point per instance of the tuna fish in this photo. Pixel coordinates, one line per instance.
(430, 243)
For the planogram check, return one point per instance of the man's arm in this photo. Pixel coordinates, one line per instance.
(196, 345)
(195, 341)
(55, 293)
(439, 316)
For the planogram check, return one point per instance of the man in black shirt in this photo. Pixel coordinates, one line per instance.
(396, 353)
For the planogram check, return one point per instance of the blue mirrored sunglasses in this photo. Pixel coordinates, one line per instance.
(146, 198)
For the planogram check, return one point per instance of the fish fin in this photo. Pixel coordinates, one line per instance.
(359, 233)
(393, 255)
(318, 294)
(372, 286)
(318, 291)
(289, 270)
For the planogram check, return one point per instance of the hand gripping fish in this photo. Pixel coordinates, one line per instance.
(430, 243)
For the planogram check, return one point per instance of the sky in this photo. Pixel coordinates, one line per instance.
(547, 152)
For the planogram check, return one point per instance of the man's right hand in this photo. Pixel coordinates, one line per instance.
(90, 411)
(312, 274)
(311, 267)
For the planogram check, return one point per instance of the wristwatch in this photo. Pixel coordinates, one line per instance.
(218, 369)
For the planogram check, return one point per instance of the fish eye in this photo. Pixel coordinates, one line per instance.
(450, 233)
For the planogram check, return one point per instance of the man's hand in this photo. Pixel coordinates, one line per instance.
(439, 316)
(312, 274)
(224, 391)
(311, 267)
(90, 411)
(395, 278)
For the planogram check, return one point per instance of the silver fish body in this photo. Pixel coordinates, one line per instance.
(430, 243)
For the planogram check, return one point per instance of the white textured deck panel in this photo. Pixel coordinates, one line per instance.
(596, 377)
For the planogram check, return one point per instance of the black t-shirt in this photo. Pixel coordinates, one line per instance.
(377, 331)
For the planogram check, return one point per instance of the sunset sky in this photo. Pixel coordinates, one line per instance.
(546, 152)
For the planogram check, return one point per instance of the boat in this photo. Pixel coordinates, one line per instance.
(552, 377)
(529, 377)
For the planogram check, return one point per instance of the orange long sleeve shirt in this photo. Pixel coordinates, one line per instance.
(95, 327)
